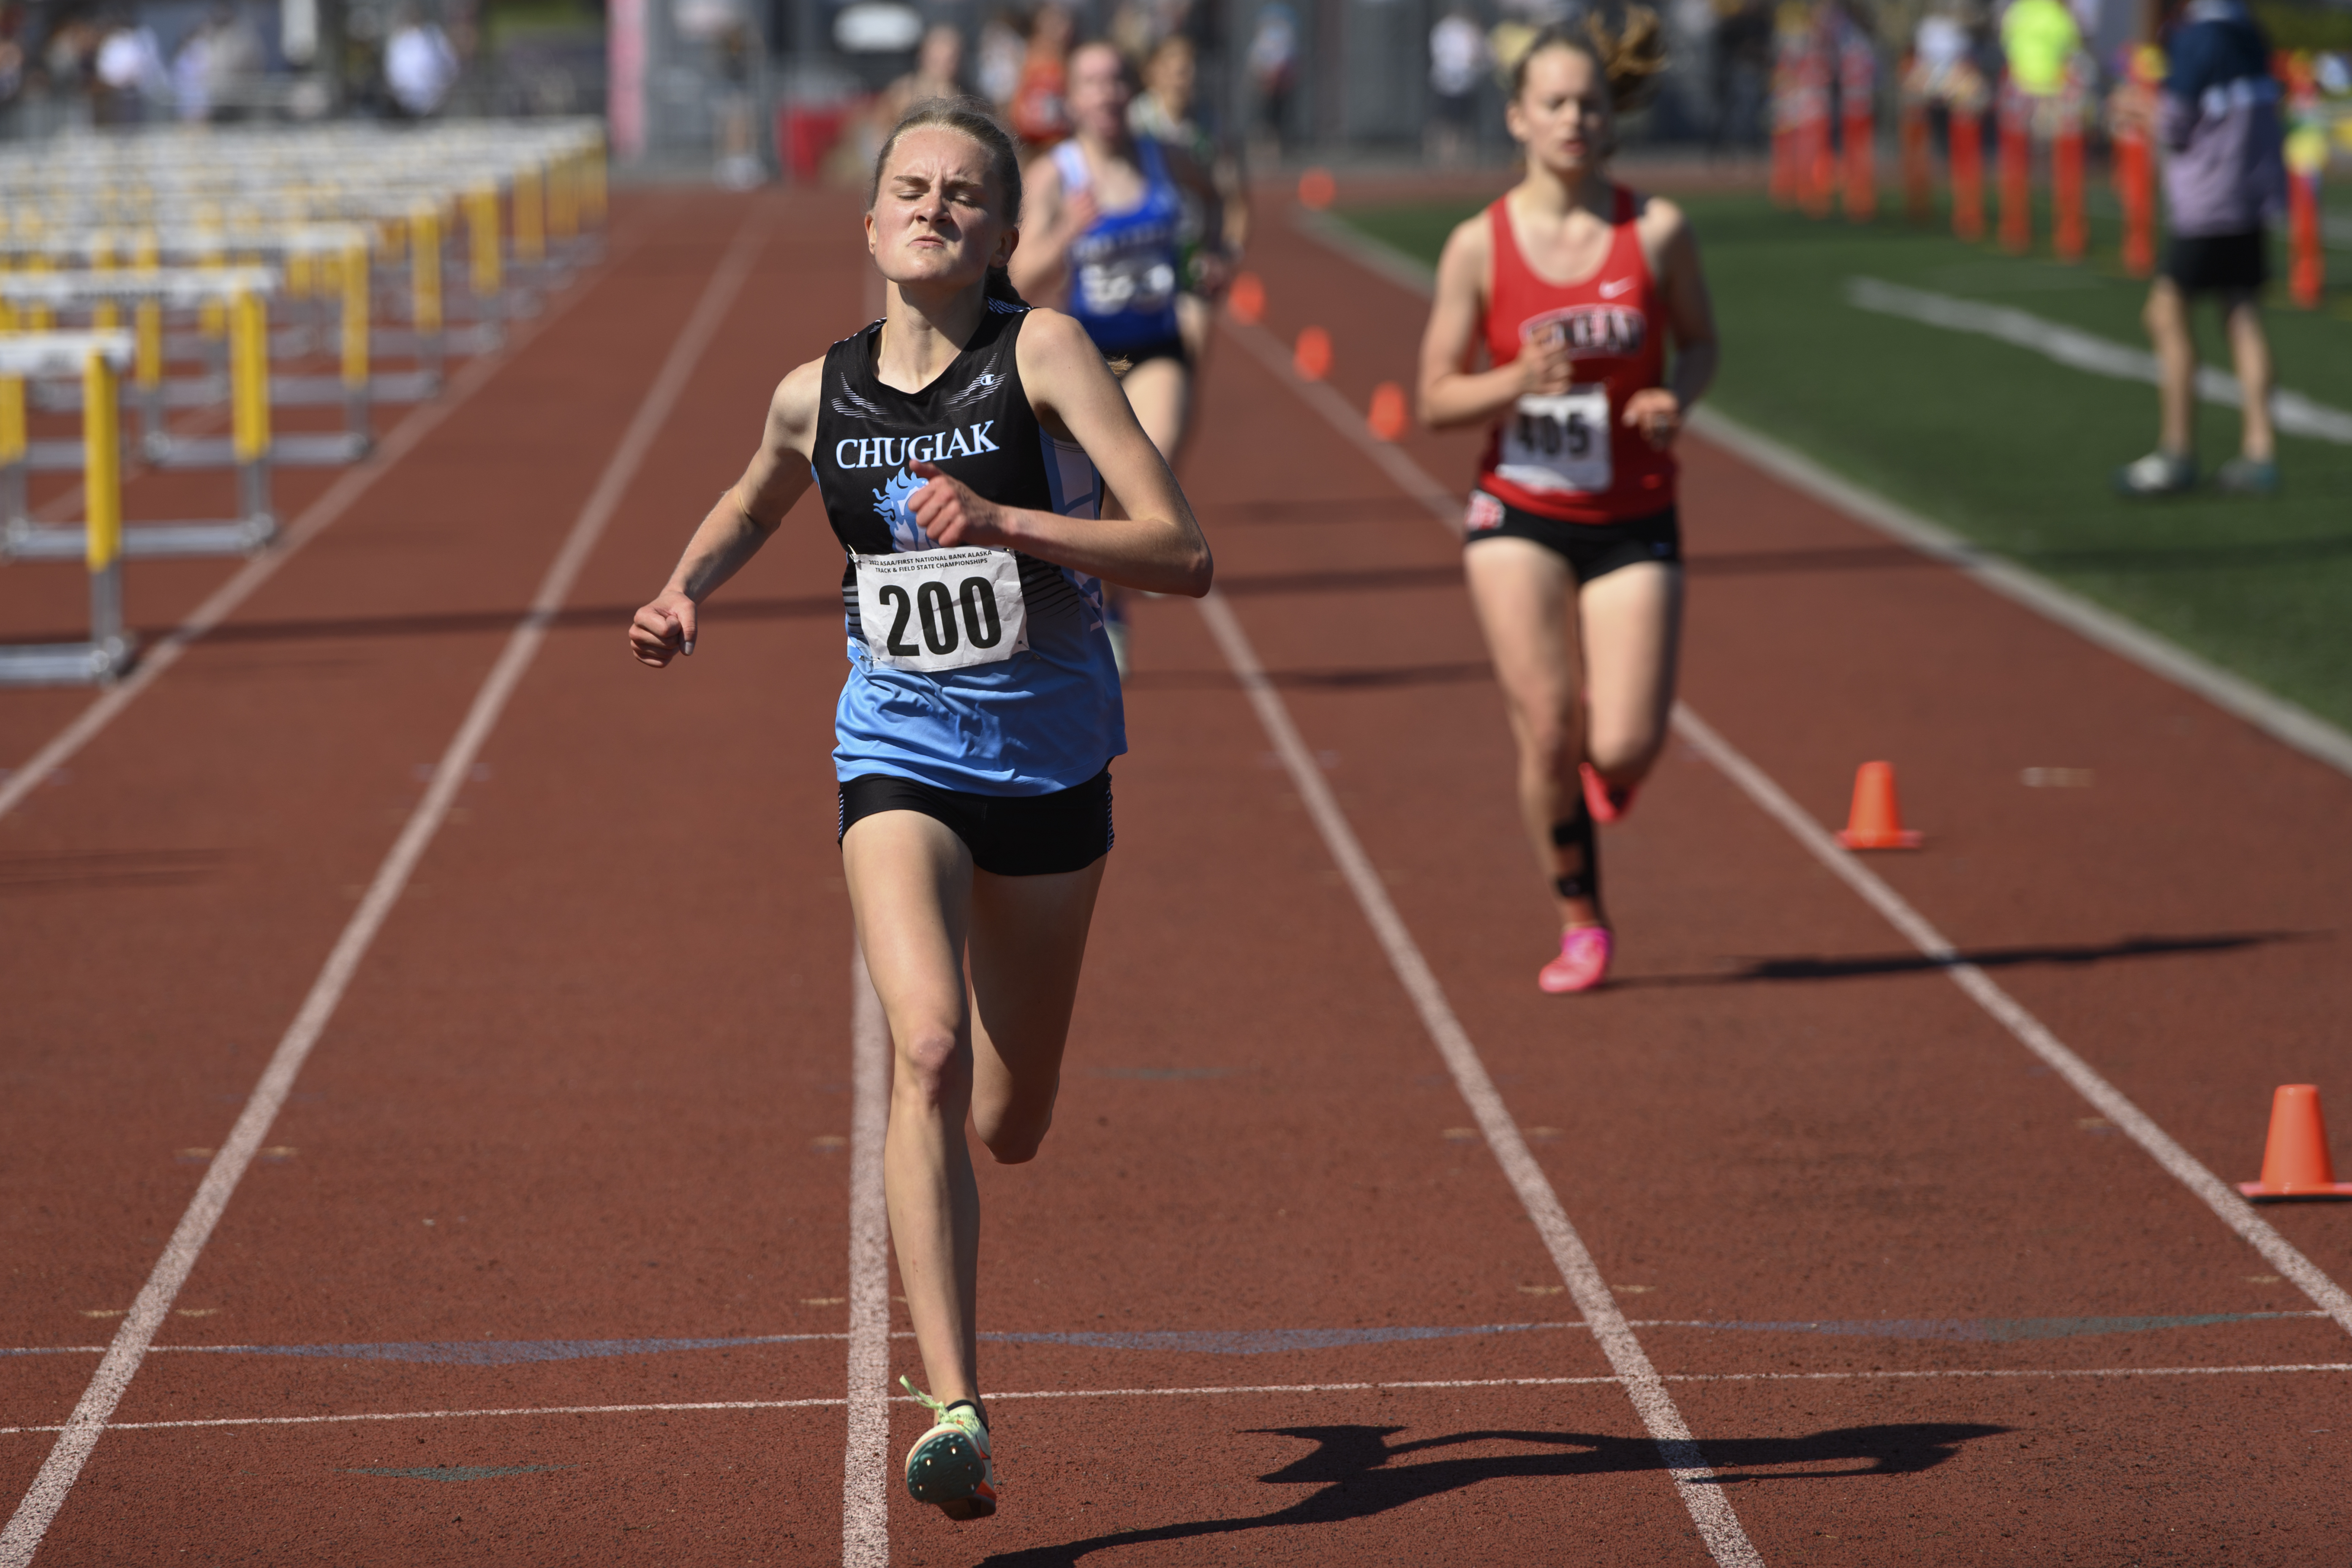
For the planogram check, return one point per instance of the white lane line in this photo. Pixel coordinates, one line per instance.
(317, 518)
(2294, 414)
(866, 1461)
(2274, 715)
(1718, 1526)
(1214, 1390)
(31, 1520)
(2223, 1199)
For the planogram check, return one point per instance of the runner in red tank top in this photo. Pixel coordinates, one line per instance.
(1573, 553)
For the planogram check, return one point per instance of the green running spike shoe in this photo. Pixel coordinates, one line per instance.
(949, 1465)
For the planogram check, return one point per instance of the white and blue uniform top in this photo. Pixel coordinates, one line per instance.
(1124, 270)
(1046, 718)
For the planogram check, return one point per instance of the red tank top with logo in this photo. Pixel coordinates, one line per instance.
(1570, 456)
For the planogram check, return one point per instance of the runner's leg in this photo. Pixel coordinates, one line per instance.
(1632, 631)
(1028, 941)
(911, 886)
(1160, 393)
(2166, 318)
(2250, 352)
(1524, 594)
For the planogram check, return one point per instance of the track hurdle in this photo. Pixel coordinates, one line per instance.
(101, 293)
(99, 358)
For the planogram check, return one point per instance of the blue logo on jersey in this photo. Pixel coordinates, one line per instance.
(891, 506)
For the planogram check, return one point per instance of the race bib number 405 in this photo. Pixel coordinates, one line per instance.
(1558, 441)
(941, 609)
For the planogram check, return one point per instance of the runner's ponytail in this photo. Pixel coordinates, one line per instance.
(1631, 56)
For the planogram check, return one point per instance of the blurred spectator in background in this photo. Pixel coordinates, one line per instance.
(2217, 119)
(1001, 50)
(420, 65)
(1457, 64)
(1163, 111)
(1273, 72)
(232, 61)
(1041, 110)
(1739, 62)
(2040, 39)
(937, 73)
(130, 73)
(191, 74)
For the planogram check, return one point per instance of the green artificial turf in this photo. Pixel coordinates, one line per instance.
(2015, 451)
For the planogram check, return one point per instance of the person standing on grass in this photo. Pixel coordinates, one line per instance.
(961, 445)
(2217, 118)
(1110, 246)
(1572, 284)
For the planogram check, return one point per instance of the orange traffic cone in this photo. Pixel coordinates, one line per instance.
(2294, 1157)
(1246, 298)
(1317, 189)
(1876, 822)
(1388, 417)
(1313, 354)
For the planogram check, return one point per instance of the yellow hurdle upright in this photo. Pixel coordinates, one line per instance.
(101, 456)
(482, 233)
(355, 340)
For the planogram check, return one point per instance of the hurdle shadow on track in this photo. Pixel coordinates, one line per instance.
(1357, 1471)
(2061, 956)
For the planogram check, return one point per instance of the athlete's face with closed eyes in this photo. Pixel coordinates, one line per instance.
(937, 218)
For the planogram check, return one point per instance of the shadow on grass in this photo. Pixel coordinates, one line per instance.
(1359, 1473)
(2063, 955)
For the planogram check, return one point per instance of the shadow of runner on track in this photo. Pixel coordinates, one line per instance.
(1353, 1466)
(1868, 964)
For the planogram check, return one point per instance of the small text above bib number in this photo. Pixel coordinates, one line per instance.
(1558, 441)
(941, 609)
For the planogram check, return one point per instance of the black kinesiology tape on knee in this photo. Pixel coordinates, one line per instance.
(1582, 878)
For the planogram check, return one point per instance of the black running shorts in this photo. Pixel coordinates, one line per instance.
(1008, 835)
(1590, 549)
(2217, 263)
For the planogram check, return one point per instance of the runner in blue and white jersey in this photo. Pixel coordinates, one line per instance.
(1114, 240)
(961, 445)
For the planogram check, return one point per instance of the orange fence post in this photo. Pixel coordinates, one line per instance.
(1820, 156)
(1967, 172)
(1858, 86)
(2071, 235)
(1918, 166)
(2307, 158)
(2016, 171)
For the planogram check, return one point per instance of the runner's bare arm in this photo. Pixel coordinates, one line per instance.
(1157, 546)
(738, 523)
(1671, 250)
(1452, 394)
(1039, 264)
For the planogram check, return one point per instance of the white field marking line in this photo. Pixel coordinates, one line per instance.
(350, 485)
(2294, 414)
(1212, 1390)
(2281, 719)
(2223, 1199)
(865, 1460)
(148, 1313)
(1710, 1511)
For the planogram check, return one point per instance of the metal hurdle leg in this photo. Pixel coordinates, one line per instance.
(425, 289)
(249, 416)
(12, 458)
(148, 320)
(355, 345)
(484, 275)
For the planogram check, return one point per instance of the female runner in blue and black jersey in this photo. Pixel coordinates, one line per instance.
(961, 446)
(1129, 236)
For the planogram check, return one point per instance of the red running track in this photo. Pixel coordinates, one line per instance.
(576, 1137)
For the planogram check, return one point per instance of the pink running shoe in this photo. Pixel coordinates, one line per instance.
(1583, 964)
(1605, 804)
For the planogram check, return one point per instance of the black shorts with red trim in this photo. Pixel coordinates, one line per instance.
(1591, 550)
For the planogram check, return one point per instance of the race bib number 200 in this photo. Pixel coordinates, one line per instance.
(1559, 442)
(941, 609)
